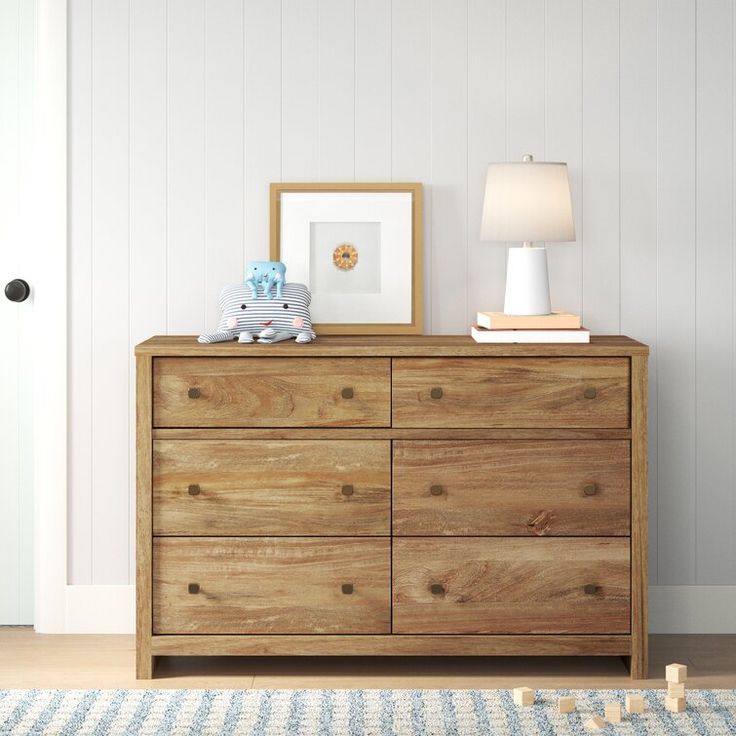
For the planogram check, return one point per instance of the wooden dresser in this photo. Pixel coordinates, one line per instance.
(391, 495)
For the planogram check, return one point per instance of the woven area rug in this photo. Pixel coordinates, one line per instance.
(346, 712)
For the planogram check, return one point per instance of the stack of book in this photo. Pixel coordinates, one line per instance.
(554, 327)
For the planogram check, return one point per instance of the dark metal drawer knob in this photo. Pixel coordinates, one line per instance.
(436, 589)
(347, 588)
(348, 490)
(590, 393)
(436, 393)
(590, 589)
(194, 393)
(194, 588)
(436, 490)
(194, 489)
(347, 393)
(590, 489)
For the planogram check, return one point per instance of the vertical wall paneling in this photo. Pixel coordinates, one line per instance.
(336, 84)
(186, 32)
(676, 291)
(373, 32)
(148, 245)
(300, 44)
(262, 123)
(600, 194)
(411, 128)
(182, 112)
(110, 292)
(525, 79)
(80, 292)
(563, 117)
(638, 214)
(486, 143)
(449, 111)
(224, 195)
(714, 317)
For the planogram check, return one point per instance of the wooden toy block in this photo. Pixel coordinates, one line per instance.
(674, 705)
(676, 673)
(634, 704)
(596, 723)
(567, 704)
(613, 712)
(676, 689)
(523, 696)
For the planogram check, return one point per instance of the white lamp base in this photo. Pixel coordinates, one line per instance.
(527, 282)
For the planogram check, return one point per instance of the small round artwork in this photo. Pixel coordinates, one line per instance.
(345, 257)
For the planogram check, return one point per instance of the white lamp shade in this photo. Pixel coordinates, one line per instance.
(528, 201)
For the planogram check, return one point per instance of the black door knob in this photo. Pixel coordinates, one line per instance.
(17, 290)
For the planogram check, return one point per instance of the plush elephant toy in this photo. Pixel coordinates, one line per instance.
(263, 318)
(267, 274)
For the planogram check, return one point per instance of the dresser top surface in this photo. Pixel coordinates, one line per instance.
(390, 346)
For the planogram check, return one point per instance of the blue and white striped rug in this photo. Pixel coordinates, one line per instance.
(345, 712)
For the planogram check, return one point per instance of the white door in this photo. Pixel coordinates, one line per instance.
(17, 54)
(33, 331)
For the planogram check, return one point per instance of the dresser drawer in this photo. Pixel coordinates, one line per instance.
(271, 586)
(510, 392)
(511, 488)
(511, 586)
(271, 392)
(271, 487)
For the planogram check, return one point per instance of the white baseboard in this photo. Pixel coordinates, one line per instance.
(100, 609)
(673, 609)
(692, 609)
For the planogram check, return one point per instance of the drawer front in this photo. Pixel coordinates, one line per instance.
(271, 488)
(511, 392)
(511, 586)
(271, 392)
(514, 488)
(271, 586)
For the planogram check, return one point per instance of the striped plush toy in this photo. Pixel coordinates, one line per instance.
(263, 318)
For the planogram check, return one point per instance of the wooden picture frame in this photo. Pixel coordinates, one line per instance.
(413, 327)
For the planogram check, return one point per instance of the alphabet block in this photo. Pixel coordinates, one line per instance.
(596, 723)
(676, 689)
(567, 704)
(523, 696)
(634, 704)
(674, 705)
(676, 673)
(613, 712)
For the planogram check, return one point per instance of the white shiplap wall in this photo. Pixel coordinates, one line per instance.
(182, 112)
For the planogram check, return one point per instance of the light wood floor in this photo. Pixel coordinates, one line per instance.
(28, 659)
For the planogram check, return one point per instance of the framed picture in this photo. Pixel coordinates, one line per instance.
(358, 247)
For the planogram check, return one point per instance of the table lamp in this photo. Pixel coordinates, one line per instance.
(527, 201)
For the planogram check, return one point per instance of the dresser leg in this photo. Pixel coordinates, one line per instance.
(144, 666)
(637, 666)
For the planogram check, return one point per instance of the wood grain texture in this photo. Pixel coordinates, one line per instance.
(143, 587)
(271, 393)
(510, 586)
(510, 392)
(427, 346)
(639, 520)
(509, 488)
(396, 645)
(414, 433)
(271, 585)
(272, 487)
